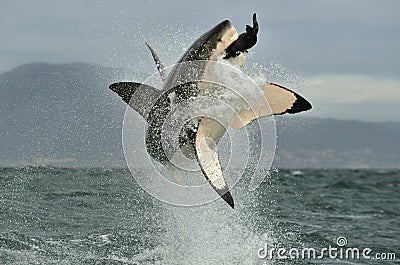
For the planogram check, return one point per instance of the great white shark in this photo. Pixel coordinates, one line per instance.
(197, 137)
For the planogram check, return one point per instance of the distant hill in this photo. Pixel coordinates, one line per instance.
(332, 143)
(60, 114)
(65, 115)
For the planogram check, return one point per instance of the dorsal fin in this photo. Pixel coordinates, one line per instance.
(159, 65)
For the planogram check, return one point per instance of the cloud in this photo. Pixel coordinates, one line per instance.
(353, 97)
(349, 48)
(311, 36)
(346, 89)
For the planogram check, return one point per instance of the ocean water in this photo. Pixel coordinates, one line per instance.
(101, 216)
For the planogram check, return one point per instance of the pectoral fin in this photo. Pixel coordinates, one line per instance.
(209, 161)
(138, 100)
(280, 100)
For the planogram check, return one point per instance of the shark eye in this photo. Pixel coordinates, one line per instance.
(219, 40)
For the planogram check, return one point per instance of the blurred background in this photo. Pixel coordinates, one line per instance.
(58, 58)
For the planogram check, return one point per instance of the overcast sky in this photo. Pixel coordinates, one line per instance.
(346, 52)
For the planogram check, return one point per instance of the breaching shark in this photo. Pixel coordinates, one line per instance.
(222, 41)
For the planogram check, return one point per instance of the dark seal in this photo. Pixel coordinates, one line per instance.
(245, 40)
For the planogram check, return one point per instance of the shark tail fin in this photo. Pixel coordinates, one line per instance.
(159, 65)
(209, 162)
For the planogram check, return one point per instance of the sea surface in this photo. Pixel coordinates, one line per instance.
(102, 216)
